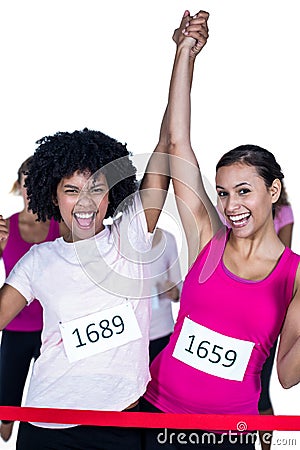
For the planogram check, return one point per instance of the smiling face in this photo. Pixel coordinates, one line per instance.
(244, 199)
(83, 202)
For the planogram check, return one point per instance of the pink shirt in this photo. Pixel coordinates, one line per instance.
(284, 216)
(232, 307)
(31, 317)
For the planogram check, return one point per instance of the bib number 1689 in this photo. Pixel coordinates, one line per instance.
(103, 330)
(99, 332)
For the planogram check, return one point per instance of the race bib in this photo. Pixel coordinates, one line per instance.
(98, 332)
(212, 352)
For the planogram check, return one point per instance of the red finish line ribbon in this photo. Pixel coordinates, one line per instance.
(212, 422)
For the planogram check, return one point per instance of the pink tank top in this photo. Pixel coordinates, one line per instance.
(31, 317)
(236, 308)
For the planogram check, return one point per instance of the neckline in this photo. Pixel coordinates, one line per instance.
(281, 260)
(18, 232)
(99, 235)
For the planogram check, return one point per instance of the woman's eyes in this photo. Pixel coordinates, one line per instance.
(71, 191)
(77, 191)
(97, 191)
(242, 191)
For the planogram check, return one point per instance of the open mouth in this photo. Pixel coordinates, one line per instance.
(239, 220)
(85, 219)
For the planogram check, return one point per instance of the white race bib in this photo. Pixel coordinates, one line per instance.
(212, 352)
(98, 332)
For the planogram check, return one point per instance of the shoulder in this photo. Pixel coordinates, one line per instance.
(170, 238)
(41, 249)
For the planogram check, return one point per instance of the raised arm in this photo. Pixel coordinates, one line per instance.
(156, 180)
(197, 212)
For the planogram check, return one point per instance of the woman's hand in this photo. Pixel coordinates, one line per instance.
(3, 229)
(193, 31)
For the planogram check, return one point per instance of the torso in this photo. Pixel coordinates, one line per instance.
(74, 281)
(21, 226)
(232, 307)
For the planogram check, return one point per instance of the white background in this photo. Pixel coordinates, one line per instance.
(68, 64)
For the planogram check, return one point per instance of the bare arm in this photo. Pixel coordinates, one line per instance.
(198, 215)
(155, 183)
(4, 231)
(11, 303)
(288, 358)
(156, 180)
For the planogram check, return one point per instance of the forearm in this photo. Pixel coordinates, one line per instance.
(198, 214)
(155, 183)
(157, 173)
(288, 366)
(179, 117)
(11, 303)
(183, 162)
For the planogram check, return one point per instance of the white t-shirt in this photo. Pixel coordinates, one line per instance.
(74, 280)
(164, 267)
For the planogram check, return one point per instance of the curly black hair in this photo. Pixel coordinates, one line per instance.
(63, 154)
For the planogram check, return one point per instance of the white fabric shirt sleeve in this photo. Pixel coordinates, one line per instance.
(20, 276)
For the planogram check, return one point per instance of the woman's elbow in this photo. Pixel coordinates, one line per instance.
(287, 378)
(287, 384)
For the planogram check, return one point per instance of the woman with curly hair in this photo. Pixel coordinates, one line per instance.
(92, 284)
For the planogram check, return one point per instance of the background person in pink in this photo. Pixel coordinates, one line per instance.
(241, 280)
(21, 338)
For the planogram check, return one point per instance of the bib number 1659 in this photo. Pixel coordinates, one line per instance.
(215, 353)
(212, 352)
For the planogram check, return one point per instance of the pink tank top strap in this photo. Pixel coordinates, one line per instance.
(14, 226)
